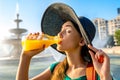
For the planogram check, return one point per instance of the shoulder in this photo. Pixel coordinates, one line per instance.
(53, 65)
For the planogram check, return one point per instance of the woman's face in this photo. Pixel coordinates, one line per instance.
(69, 36)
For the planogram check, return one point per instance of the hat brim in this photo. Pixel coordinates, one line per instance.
(53, 17)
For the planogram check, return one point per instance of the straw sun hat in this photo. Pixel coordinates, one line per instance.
(54, 15)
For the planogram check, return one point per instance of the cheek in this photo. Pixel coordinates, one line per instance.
(73, 42)
(64, 45)
(68, 44)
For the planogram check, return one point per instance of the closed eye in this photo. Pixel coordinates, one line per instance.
(68, 31)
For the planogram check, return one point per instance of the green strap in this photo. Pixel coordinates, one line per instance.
(52, 66)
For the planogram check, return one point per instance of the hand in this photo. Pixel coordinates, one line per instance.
(102, 68)
(34, 36)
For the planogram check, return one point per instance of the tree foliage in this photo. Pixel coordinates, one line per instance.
(117, 36)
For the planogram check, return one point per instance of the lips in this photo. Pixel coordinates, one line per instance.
(60, 42)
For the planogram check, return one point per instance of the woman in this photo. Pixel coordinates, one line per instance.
(76, 35)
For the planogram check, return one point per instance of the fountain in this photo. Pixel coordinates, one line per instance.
(15, 40)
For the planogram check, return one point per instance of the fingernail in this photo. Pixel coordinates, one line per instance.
(101, 59)
(88, 45)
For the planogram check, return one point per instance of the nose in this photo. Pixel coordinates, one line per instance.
(60, 35)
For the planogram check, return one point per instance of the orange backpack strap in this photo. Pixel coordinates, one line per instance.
(90, 72)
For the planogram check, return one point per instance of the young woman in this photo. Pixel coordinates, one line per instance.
(73, 45)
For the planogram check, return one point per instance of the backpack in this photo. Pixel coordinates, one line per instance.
(90, 72)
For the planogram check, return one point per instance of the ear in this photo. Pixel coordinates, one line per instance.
(82, 42)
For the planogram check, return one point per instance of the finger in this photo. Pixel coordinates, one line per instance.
(101, 59)
(100, 56)
(40, 37)
(30, 34)
(34, 37)
(92, 48)
(92, 56)
(37, 33)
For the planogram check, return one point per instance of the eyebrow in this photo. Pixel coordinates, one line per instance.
(67, 25)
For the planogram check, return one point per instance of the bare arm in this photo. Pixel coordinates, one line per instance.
(26, 56)
(23, 70)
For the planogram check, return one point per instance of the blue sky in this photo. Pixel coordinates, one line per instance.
(31, 11)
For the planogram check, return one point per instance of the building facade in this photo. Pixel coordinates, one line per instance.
(107, 27)
(114, 25)
(102, 27)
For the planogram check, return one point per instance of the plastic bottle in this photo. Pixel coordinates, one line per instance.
(45, 40)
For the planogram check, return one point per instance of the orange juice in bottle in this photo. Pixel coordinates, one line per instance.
(46, 40)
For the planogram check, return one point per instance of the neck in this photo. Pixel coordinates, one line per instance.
(75, 60)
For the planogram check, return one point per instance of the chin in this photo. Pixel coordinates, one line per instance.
(60, 49)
